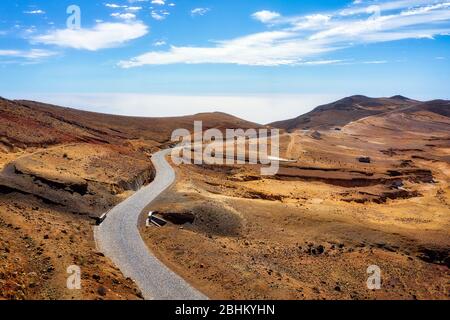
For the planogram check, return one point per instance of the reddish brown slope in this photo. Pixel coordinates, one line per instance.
(85, 160)
(344, 111)
(111, 128)
(58, 161)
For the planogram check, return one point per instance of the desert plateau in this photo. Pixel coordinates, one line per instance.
(367, 184)
(225, 159)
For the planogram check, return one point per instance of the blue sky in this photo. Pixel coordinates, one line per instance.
(261, 60)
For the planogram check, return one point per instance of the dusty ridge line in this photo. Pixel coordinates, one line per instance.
(118, 237)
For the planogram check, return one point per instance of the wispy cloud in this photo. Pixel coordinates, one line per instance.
(321, 62)
(159, 14)
(102, 35)
(265, 16)
(159, 43)
(127, 8)
(123, 16)
(261, 49)
(33, 54)
(133, 9)
(38, 11)
(199, 11)
(293, 40)
(114, 6)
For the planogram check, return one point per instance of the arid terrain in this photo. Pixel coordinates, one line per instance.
(368, 185)
(371, 188)
(60, 170)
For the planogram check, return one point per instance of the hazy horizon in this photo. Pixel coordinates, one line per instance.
(166, 58)
(137, 105)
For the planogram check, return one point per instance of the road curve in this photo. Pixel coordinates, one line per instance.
(119, 239)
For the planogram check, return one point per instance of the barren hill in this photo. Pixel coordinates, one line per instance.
(327, 210)
(85, 160)
(50, 124)
(58, 168)
(374, 192)
(344, 111)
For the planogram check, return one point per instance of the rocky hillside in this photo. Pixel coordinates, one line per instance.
(83, 160)
(344, 111)
(60, 167)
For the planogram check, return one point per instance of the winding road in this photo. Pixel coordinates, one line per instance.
(118, 237)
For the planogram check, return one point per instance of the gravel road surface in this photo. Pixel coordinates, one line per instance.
(119, 239)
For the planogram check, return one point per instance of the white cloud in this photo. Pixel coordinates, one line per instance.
(35, 12)
(114, 6)
(33, 54)
(124, 16)
(406, 24)
(159, 14)
(133, 9)
(383, 6)
(127, 8)
(158, 2)
(199, 11)
(297, 39)
(9, 52)
(101, 36)
(159, 43)
(261, 49)
(265, 16)
(155, 15)
(310, 22)
(321, 62)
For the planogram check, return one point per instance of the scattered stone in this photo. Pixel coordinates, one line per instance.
(101, 291)
(397, 184)
(139, 293)
(316, 135)
(364, 159)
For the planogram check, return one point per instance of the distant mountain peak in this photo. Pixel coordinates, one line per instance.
(358, 96)
(344, 111)
(400, 97)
